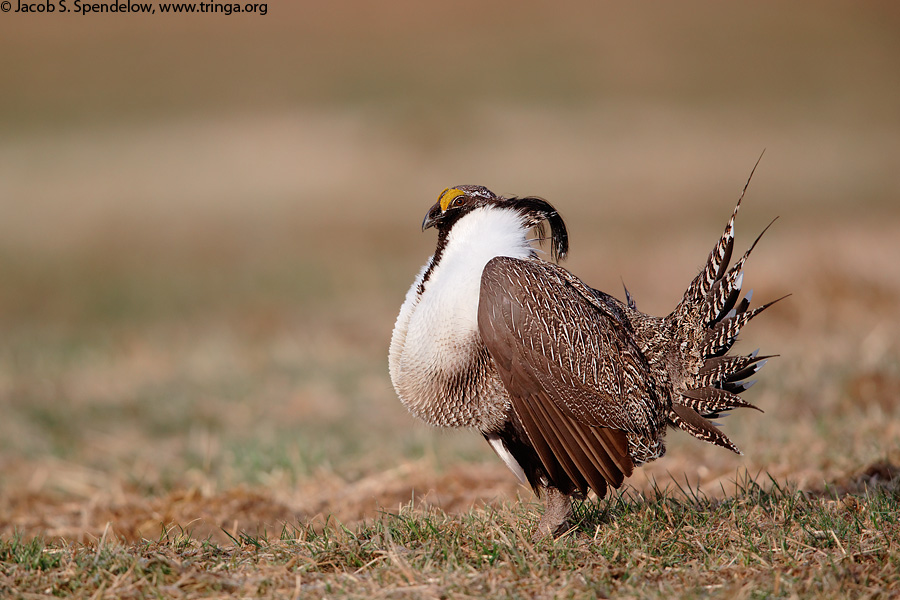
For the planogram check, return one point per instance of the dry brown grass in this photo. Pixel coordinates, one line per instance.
(201, 258)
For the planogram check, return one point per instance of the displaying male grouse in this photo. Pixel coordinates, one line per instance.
(571, 387)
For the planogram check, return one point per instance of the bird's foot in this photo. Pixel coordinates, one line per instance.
(557, 512)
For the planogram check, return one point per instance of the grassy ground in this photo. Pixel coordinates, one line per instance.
(204, 244)
(760, 542)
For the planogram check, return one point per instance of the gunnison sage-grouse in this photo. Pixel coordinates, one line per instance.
(571, 387)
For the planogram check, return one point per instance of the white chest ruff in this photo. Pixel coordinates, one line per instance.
(438, 364)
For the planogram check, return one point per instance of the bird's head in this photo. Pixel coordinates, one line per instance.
(456, 202)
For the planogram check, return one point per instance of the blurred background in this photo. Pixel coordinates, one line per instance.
(208, 224)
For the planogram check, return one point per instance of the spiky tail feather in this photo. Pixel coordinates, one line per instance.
(709, 318)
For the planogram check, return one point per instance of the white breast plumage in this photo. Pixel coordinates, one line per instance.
(436, 334)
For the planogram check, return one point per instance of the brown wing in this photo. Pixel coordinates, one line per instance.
(576, 380)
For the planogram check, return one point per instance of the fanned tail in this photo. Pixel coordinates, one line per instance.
(709, 318)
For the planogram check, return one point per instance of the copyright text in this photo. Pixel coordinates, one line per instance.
(83, 7)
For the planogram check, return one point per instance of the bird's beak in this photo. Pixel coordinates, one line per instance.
(433, 216)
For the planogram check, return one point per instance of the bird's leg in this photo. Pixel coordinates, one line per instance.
(557, 511)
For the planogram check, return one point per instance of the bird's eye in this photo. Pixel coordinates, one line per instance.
(459, 201)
